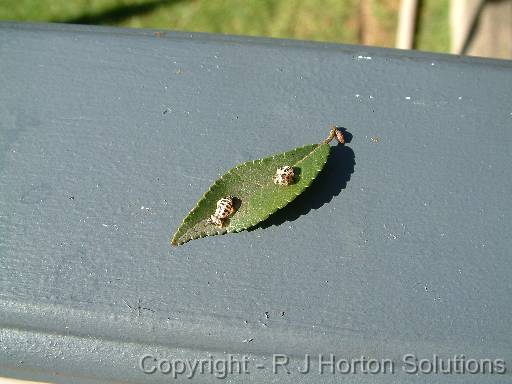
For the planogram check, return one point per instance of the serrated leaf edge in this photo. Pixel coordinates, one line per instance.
(203, 197)
(236, 230)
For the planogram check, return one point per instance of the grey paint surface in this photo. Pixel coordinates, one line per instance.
(108, 137)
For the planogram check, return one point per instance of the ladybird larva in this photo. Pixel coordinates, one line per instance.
(284, 175)
(225, 208)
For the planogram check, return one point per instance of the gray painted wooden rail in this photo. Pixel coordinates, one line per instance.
(109, 136)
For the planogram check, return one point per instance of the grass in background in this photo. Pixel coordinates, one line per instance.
(433, 32)
(371, 22)
(301, 19)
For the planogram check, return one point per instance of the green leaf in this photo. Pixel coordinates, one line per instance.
(255, 192)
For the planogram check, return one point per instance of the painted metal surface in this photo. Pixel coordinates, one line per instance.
(108, 137)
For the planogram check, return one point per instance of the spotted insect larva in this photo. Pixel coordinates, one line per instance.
(284, 176)
(225, 208)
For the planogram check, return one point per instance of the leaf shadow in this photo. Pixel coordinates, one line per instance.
(329, 183)
(118, 13)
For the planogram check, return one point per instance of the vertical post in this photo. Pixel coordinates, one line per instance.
(406, 24)
(481, 28)
(463, 14)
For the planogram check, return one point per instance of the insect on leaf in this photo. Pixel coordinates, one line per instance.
(254, 193)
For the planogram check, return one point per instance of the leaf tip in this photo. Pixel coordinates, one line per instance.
(177, 238)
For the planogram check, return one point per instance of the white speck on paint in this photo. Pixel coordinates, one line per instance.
(357, 95)
(361, 57)
(460, 97)
(433, 64)
(371, 97)
(407, 97)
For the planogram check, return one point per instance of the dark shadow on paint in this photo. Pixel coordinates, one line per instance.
(328, 184)
(119, 13)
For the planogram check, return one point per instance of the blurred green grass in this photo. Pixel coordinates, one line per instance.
(320, 20)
